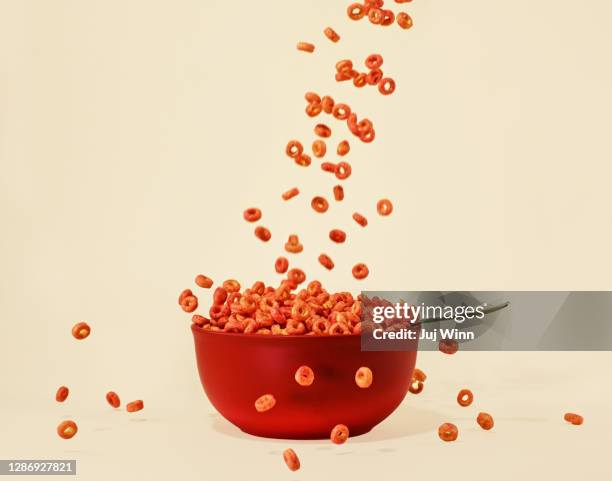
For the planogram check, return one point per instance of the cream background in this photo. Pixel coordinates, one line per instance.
(134, 133)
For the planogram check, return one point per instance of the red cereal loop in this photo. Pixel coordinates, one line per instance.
(291, 459)
(360, 80)
(200, 321)
(253, 214)
(281, 265)
(322, 130)
(384, 207)
(339, 329)
(404, 20)
(134, 406)
(375, 15)
(183, 295)
(339, 434)
(296, 275)
(327, 104)
(61, 394)
(326, 261)
(337, 235)
(360, 271)
(319, 149)
(67, 429)
(231, 285)
(343, 170)
(341, 111)
(331, 34)
(465, 397)
(388, 18)
(343, 148)
(203, 281)
(304, 376)
(305, 47)
(293, 244)
(448, 432)
(303, 160)
(189, 304)
(219, 296)
(262, 233)
(312, 97)
(338, 193)
(416, 387)
(313, 109)
(294, 149)
(319, 204)
(485, 421)
(291, 193)
(374, 76)
(112, 398)
(355, 11)
(448, 346)
(265, 403)
(364, 377)
(419, 375)
(373, 61)
(361, 220)
(573, 418)
(328, 167)
(386, 86)
(81, 330)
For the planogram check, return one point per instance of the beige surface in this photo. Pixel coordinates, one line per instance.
(134, 133)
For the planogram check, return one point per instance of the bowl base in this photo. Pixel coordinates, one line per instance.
(358, 432)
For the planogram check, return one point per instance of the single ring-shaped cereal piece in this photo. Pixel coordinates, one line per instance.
(465, 397)
(231, 285)
(305, 47)
(293, 248)
(337, 235)
(338, 193)
(319, 148)
(265, 403)
(303, 160)
(376, 16)
(61, 394)
(200, 320)
(327, 104)
(81, 330)
(313, 109)
(320, 326)
(448, 346)
(364, 377)
(339, 434)
(355, 11)
(326, 261)
(290, 194)
(341, 111)
(258, 287)
(386, 86)
(360, 80)
(342, 76)
(485, 421)
(416, 387)
(384, 207)
(312, 97)
(112, 398)
(203, 281)
(367, 137)
(373, 61)
(189, 304)
(294, 148)
(419, 375)
(404, 20)
(351, 122)
(343, 170)
(296, 275)
(361, 220)
(304, 376)
(374, 76)
(253, 214)
(331, 34)
(343, 148)
(319, 204)
(364, 126)
(339, 329)
(388, 18)
(281, 265)
(262, 233)
(328, 167)
(291, 459)
(448, 432)
(360, 271)
(219, 296)
(344, 66)
(322, 130)
(67, 429)
(575, 419)
(295, 327)
(300, 311)
(134, 406)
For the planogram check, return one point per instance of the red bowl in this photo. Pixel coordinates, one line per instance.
(236, 369)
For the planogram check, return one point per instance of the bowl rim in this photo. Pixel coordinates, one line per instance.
(196, 328)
